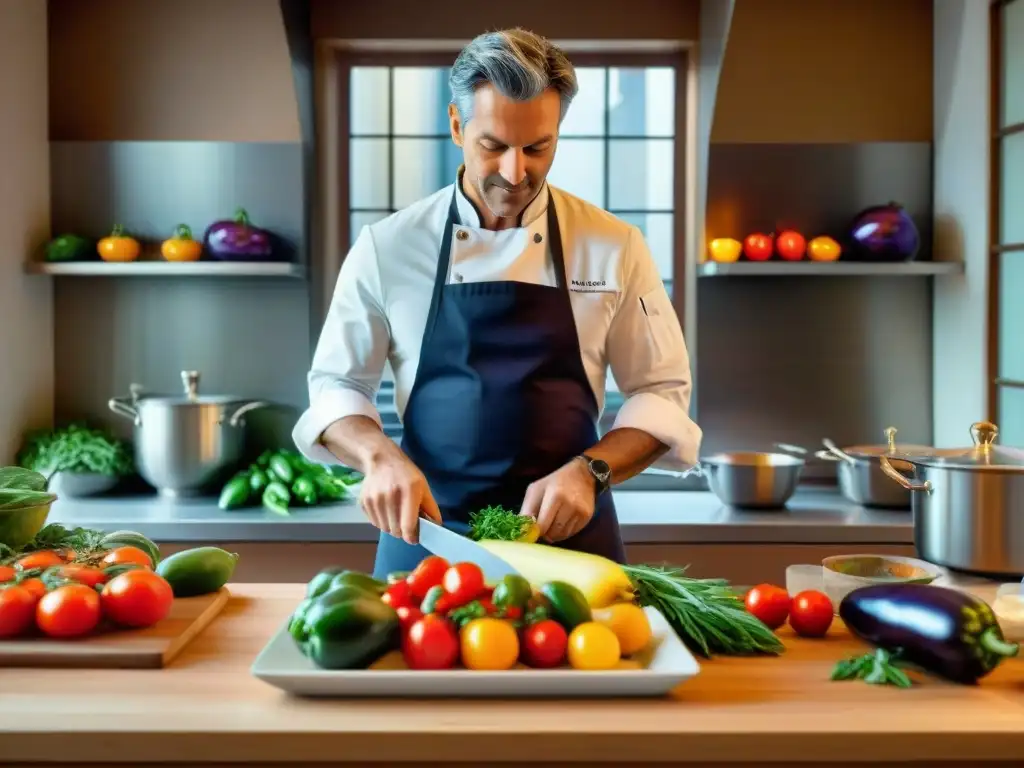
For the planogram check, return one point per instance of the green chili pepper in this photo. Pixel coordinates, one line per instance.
(276, 498)
(258, 480)
(304, 489)
(264, 459)
(236, 492)
(281, 468)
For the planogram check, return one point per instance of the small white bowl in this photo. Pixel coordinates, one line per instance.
(842, 574)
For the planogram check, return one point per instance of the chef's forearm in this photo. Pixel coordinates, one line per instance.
(628, 452)
(359, 442)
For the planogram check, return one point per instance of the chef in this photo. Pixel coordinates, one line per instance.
(500, 302)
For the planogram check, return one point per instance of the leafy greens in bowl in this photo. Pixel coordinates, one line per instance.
(80, 460)
(24, 505)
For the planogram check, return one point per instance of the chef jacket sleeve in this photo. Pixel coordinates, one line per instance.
(351, 353)
(648, 358)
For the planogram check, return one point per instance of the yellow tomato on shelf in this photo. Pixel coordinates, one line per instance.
(725, 250)
(823, 249)
(181, 247)
(117, 246)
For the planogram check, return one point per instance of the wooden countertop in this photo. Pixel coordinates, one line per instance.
(206, 709)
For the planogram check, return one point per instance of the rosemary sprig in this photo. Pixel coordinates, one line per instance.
(497, 523)
(877, 668)
(709, 616)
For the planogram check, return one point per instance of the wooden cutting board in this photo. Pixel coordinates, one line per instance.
(150, 648)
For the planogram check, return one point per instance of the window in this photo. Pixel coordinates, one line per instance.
(617, 149)
(1007, 257)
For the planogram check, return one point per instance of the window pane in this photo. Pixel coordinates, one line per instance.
(421, 99)
(642, 101)
(1011, 316)
(579, 169)
(640, 176)
(657, 231)
(368, 100)
(1011, 416)
(586, 113)
(360, 219)
(423, 166)
(368, 173)
(1013, 64)
(1012, 195)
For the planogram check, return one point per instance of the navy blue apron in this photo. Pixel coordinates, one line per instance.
(501, 399)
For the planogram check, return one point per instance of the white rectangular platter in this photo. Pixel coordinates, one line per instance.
(654, 672)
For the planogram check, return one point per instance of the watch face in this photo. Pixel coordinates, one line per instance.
(600, 468)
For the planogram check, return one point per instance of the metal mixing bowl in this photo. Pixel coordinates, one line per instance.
(753, 480)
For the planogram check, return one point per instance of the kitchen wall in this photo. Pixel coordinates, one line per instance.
(26, 338)
(195, 117)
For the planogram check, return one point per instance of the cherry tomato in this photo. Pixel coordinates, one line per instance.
(429, 573)
(398, 594)
(138, 598)
(544, 644)
(769, 604)
(69, 611)
(17, 611)
(811, 614)
(489, 644)
(35, 587)
(7, 573)
(83, 574)
(43, 559)
(408, 615)
(431, 643)
(464, 582)
(128, 556)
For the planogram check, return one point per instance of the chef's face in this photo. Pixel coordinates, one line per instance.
(508, 147)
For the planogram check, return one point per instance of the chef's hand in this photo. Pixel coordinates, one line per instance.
(394, 494)
(563, 502)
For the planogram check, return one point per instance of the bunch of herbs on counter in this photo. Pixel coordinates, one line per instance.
(78, 449)
(281, 480)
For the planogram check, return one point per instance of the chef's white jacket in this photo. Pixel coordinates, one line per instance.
(624, 316)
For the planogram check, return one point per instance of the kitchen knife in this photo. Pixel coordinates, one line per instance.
(458, 549)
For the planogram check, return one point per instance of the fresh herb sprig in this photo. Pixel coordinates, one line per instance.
(877, 668)
(497, 523)
(706, 613)
(83, 541)
(75, 448)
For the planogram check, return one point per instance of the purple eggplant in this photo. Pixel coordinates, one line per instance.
(943, 631)
(237, 240)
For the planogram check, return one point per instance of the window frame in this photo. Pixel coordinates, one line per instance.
(998, 249)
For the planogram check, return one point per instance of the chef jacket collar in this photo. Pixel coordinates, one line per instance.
(469, 215)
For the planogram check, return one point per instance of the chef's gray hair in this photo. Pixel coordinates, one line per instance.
(520, 64)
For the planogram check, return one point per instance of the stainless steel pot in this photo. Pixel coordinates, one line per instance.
(967, 505)
(860, 475)
(753, 480)
(184, 443)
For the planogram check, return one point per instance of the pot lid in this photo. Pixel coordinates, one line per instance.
(890, 448)
(984, 455)
(191, 396)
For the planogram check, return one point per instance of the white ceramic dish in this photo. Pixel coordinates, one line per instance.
(1009, 610)
(655, 672)
(869, 570)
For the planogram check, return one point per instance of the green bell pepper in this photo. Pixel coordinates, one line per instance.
(282, 469)
(304, 490)
(298, 624)
(322, 581)
(348, 629)
(276, 498)
(258, 480)
(361, 580)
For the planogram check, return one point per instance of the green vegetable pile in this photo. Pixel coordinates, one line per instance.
(76, 448)
(21, 488)
(498, 523)
(281, 480)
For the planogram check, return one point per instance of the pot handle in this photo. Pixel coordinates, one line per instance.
(899, 477)
(121, 406)
(237, 419)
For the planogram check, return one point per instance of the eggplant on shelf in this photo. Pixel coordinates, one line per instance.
(943, 631)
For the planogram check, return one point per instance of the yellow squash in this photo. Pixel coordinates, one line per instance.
(601, 580)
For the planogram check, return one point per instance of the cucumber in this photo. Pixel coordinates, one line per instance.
(131, 539)
(567, 604)
(198, 571)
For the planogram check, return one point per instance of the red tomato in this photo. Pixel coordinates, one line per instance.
(128, 556)
(398, 594)
(43, 559)
(408, 615)
(429, 573)
(811, 614)
(7, 573)
(769, 604)
(69, 611)
(17, 611)
(464, 582)
(757, 247)
(791, 245)
(544, 644)
(83, 574)
(35, 587)
(138, 598)
(431, 643)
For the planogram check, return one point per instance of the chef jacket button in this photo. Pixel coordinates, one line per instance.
(462, 234)
(537, 237)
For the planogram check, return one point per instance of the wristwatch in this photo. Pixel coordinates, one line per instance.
(600, 471)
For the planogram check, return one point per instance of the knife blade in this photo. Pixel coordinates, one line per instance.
(458, 549)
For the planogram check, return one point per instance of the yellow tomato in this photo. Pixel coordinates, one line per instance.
(117, 246)
(181, 247)
(823, 249)
(593, 647)
(725, 249)
(489, 644)
(629, 623)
